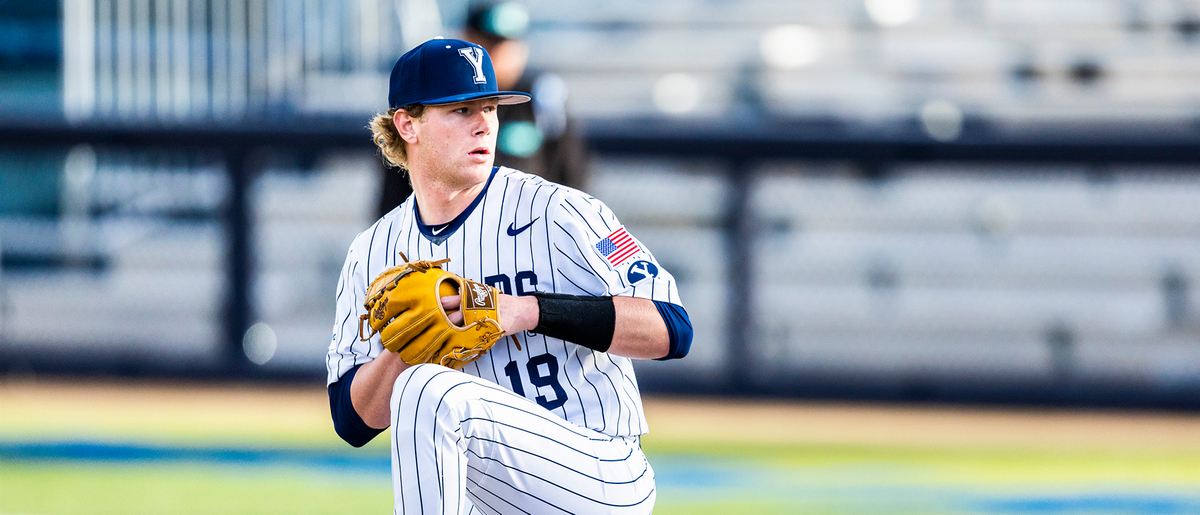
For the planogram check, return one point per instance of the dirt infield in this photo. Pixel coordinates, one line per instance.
(783, 422)
(291, 414)
(166, 411)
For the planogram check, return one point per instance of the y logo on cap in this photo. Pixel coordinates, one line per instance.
(474, 55)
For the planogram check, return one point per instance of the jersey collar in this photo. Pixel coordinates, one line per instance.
(441, 232)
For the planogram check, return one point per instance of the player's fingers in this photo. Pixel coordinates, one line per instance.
(451, 303)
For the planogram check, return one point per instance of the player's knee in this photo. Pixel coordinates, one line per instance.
(424, 390)
(416, 381)
(424, 372)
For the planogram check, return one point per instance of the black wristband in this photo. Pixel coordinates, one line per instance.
(579, 319)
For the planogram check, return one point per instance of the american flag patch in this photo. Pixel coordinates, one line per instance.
(617, 247)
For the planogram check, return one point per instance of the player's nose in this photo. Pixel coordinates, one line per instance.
(484, 124)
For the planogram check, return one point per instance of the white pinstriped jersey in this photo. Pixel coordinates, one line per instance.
(523, 234)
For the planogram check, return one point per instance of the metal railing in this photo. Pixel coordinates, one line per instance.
(189, 60)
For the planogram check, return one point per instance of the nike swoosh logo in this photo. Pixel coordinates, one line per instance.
(437, 230)
(513, 232)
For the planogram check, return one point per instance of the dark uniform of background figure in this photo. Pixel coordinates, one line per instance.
(535, 137)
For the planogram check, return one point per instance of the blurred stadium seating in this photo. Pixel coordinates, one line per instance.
(1009, 61)
(930, 253)
(956, 272)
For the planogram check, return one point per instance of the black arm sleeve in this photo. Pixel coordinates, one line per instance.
(579, 319)
(346, 421)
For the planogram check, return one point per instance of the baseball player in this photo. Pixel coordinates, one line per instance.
(549, 419)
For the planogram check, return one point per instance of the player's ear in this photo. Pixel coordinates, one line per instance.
(404, 126)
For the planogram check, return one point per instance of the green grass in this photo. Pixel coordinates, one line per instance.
(967, 466)
(183, 489)
(693, 479)
(715, 474)
(907, 480)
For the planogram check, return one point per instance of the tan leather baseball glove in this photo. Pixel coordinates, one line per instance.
(404, 306)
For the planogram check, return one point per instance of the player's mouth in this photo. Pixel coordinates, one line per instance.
(481, 154)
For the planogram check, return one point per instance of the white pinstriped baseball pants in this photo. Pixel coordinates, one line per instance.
(463, 445)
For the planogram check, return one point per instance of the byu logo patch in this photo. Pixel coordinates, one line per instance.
(640, 271)
(474, 55)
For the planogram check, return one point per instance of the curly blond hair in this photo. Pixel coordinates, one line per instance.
(387, 138)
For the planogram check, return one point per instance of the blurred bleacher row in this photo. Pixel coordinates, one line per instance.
(859, 60)
(1016, 276)
(894, 278)
(1008, 60)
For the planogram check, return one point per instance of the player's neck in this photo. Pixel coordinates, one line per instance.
(439, 202)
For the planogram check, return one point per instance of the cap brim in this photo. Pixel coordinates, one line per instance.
(505, 97)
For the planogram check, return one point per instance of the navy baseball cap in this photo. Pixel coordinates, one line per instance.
(446, 71)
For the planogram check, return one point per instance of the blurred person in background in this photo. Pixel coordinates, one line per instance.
(537, 137)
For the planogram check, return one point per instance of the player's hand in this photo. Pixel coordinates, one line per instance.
(516, 313)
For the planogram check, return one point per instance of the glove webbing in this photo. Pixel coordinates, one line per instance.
(416, 266)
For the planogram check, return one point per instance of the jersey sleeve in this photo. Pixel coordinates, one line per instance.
(345, 349)
(596, 255)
